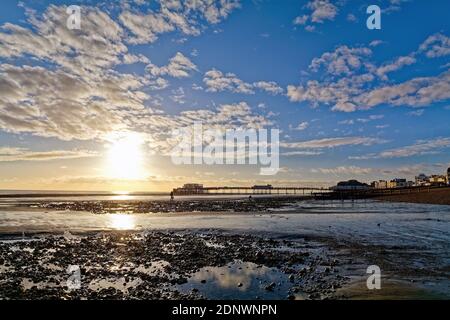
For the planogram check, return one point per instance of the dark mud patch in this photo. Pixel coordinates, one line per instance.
(166, 206)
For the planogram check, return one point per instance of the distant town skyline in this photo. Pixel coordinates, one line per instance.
(94, 108)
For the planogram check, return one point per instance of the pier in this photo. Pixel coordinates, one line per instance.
(196, 189)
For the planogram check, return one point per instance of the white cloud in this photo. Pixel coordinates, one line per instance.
(217, 81)
(145, 28)
(178, 95)
(416, 92)
(332, 142)
(269, 86)
(185, 16)
(302, 126)
(349, 83)
(348, 95)
(8, 154)
(376, 43)
(81, 96)
(421, 147)
(339, 94)
(302, 153)
(322, 10)
(417, 113)
(179, 66)
(399, 63)
(98, 45)
(343, 170)
(301, 20)
(343, 60)
(131, 58)
(437, 45)
(317, 12)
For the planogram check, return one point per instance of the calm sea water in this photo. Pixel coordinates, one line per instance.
(379, 222)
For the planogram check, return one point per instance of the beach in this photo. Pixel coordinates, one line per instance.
(432, 196)
(286, 249)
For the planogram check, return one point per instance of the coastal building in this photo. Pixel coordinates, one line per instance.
(438, 180)
(398, 183)
(380, 184)
(422, 180)
(350, 185)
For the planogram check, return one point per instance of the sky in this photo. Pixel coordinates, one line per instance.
(94, 108)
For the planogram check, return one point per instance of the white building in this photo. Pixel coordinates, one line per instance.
(380, 184)
(422, 180)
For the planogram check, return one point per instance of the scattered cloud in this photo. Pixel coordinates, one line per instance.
(186, 17)
(343, 60)
(421, 147)
(301, 153)
(399, 63)
(269, 86)
(302, 126)
(319, 11)
(332, 142)
(179, 66)
(8, 154)
(437, 45)
(178, 95)
(344, 171)
(417, 113)
(217, 81)
(349, 81)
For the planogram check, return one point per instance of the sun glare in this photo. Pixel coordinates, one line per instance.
(122, 221)
(125, 158)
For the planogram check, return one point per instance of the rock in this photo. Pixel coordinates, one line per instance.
(270, 286)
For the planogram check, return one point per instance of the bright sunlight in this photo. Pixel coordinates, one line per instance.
(122, 221)
(125, 158)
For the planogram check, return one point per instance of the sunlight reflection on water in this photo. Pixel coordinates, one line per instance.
(122, 222)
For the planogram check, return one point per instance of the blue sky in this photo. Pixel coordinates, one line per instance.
(350, 102)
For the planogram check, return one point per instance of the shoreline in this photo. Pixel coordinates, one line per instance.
(200, 264)
(304, 250)
(433, 196)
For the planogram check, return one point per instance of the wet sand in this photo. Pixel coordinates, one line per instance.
(433, 196)
(165, 265)
(298, 250)
(202, 264)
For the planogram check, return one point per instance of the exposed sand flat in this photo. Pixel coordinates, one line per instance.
(432, 196)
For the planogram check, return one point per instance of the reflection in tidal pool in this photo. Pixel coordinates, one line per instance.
(238, 280)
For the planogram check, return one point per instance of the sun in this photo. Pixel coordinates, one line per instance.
(125, 158)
